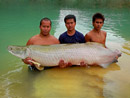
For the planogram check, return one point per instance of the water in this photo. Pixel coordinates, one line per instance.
(19, 20)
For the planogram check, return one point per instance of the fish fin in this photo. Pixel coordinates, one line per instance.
(30, 67)
(115, 60)
(104, 65)
(37, 65)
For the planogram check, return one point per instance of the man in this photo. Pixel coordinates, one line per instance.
(96, 34)
(71, 35)
(44, 38)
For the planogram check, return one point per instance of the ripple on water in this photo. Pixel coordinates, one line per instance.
(8, 81)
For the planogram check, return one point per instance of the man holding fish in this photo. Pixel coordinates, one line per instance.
(96, 34)
(44, 38)
(70, 36)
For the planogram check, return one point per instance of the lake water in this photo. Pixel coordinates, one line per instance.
(19, 20)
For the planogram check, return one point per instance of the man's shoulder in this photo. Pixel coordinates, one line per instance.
(104, 32)
(53, 37)
(89, 34)
(32, 40)
(34, 37)
(63, 34)
(79, 33)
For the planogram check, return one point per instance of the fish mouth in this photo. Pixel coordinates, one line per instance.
(10, 49)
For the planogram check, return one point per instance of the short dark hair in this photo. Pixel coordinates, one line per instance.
(46, 19)
(98, 16)
(70, 17)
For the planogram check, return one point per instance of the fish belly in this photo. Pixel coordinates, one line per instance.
(75, 53)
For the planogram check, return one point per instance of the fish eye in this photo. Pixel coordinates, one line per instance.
(10, 48)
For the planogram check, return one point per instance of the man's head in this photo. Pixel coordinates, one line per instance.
(98, 21)
(70, 17)
(98, 16)
(70, 22)
(45, 19)
(45, 26)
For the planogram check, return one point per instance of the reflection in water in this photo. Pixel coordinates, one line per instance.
(118, 82)
(9, 81)
(126, 46)
(72, 82)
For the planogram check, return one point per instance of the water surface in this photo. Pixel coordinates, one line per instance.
(20, 21)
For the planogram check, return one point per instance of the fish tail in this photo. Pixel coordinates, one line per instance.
(115, 60)
(107, 64)
(118, 53)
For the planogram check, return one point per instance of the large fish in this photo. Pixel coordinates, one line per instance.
(50, 55)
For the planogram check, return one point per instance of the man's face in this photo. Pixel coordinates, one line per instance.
(70, 24)
(45, 27)
(98, 23)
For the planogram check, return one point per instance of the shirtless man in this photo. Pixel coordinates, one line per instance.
(96, 34)
(44, 38)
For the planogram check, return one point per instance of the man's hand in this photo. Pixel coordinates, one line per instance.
(27, 61)
(82, 64)
(62, 64)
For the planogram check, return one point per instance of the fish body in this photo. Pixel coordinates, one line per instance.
(50, 55)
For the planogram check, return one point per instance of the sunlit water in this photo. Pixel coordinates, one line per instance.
(20, 20)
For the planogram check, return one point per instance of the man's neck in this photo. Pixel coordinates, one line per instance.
(96, 31)
(44, 36)
(71, 33)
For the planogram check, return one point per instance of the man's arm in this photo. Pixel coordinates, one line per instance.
(105, 34)
(30, 42)
(61, 39)
(26, 60)
(87, 38)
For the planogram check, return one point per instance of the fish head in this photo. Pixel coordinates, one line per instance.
(19, 51)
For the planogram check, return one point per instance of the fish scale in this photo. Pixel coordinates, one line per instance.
(50, 55)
